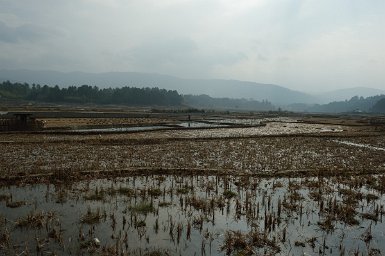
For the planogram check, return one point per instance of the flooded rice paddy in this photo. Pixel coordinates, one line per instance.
(195, 215)
(215, 191)
(204, 123)
(232, 127)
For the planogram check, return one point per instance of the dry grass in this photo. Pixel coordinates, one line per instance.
(254, 155)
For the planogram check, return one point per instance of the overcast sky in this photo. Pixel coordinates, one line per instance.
(311, 45)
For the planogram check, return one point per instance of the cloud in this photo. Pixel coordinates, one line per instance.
(293, 43)
(158, 51)
(24, 33)
(179, 55)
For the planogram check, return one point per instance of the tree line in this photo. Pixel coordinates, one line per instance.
(361, 104)
(90, 94)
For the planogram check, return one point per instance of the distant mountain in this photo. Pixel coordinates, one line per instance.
(217, 88)
(346, 94)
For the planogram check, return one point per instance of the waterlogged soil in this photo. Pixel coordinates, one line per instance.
(46, 154)
(195, 215)
(276, 147)
(214, 191)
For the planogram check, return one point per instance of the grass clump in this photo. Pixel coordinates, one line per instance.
(238, 243)
(2, 220)
(164, 204)
(370, 216)
(96, 196)
(198, 203)
(327, 224)
(4, 197)
(184, 190)
(154, 192)
(143, 208)
(125, 191)
(229, 194)
(92, 217)
(140, 224)
(347, 214)
(15, 204)
(5, 239)
(35, 220)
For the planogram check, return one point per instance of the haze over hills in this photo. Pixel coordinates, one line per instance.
(213, 87)
(347, 94)
(218, 88)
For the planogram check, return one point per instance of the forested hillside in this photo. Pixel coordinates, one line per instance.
(90, 94)
(215, 88)
(355, 104)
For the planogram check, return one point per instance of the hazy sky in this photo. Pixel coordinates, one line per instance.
(310, 45)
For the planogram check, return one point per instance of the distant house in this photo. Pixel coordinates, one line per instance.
(20, 122)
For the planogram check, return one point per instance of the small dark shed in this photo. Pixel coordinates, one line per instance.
(20, 122)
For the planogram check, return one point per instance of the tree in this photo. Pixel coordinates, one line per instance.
(379, 107)
(88, 94)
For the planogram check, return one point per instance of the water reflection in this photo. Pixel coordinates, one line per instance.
(196, 215)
